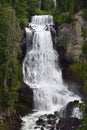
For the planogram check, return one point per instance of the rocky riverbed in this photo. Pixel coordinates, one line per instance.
(63, 120)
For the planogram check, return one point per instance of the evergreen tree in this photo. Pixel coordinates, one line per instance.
(47, 5)
(10, 70)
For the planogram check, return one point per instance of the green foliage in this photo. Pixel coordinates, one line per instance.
(21, 11)
(41, 12)
(64, 43)
(80, 70)
(10, 69)
(84, 45)
(84, 124)
(84, 33)
(71, 6)
(83, 108)
(47, 5)
(23, 8)
(32, 6)
(63, 18)
(4, 126)
(85, 14)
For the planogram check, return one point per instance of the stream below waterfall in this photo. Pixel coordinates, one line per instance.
(42, 73)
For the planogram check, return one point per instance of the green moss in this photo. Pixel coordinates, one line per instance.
(23, 108)
(80, 70)
(84, 33)
(4, 126)
(64, 42)
(84, 45)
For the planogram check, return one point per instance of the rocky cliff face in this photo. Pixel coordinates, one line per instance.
(70, 37)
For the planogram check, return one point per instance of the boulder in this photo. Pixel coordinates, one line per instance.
(25, 102)
(51, 121)
(14, 122)
(47, 121)
(26, 94)
(40, 122)
(69, 123)
(56, 114)
(51, 116)
(67, 112)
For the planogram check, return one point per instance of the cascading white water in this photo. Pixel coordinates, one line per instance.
(40, 70)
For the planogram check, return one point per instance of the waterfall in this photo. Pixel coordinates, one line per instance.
(40, 4)
(40, 67)
(54, 2)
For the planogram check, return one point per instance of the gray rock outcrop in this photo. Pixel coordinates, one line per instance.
(70, 36)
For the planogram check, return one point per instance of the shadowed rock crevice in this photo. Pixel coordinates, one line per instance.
(25, 104)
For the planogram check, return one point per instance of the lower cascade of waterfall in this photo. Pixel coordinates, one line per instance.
(42, 73)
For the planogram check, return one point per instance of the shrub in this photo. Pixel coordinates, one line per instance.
(64, 43)
(85, 14)
(80, 70)
(84, 33)
(41, 12)
(62, 18)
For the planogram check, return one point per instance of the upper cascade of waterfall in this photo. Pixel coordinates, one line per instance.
(42, 19)
(40, 23)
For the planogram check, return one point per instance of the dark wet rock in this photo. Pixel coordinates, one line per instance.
(48, 126)
(40, 122)
(26, 94)
(14, 122)
(51, 121)
(37, 127)
(69, 123)
(67, 112)
(47, 121)
(25, 103)
(57, 114)
(51, 116)
(44, 117)
(42, 128)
